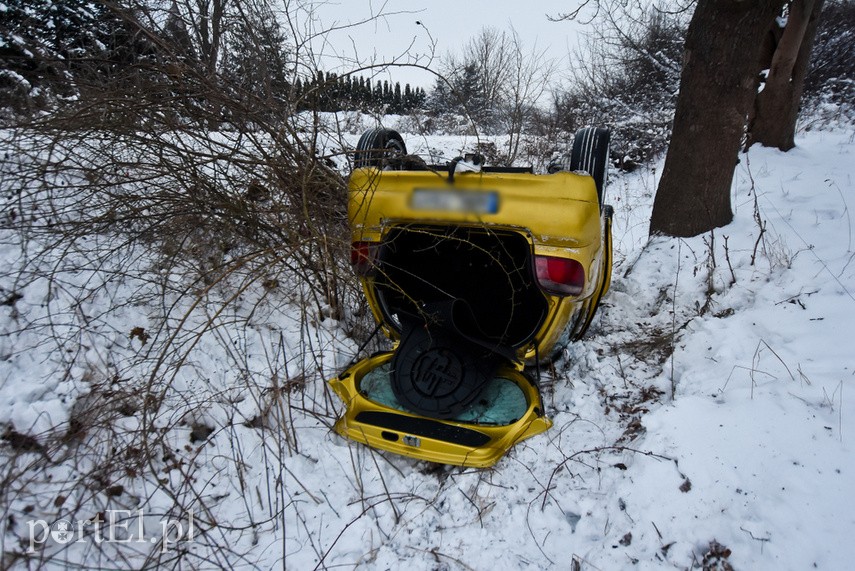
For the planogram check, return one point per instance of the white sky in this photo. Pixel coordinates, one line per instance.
(449, 23)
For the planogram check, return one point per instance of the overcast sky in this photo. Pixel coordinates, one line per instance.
(410, 28)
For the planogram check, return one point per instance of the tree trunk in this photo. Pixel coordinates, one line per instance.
(776, 107)
(716, 93)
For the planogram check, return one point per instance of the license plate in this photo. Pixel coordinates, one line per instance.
(455, 201)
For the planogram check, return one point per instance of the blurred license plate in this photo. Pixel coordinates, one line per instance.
(455, 201)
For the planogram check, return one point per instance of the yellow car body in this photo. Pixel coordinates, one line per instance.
(411, 226)
(558, 213)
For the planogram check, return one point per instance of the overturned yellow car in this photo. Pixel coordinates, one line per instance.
(474, 273)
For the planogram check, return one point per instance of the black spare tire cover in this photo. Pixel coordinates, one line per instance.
(438, 373)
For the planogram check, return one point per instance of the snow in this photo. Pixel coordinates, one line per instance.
(712, 401)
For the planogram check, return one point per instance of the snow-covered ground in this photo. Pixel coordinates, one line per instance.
(707, 417)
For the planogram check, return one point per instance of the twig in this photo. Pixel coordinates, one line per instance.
(674, 319)
(729, 265)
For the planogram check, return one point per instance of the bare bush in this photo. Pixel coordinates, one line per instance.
(830, 81)
(493, 88)
(161, 218)
(626, 77)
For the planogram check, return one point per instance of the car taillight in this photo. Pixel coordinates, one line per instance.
(363, 255)
(559, 276)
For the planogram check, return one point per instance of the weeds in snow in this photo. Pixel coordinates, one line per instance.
(137, 252)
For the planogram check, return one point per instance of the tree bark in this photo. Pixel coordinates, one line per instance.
(776, 107)
(716, 93)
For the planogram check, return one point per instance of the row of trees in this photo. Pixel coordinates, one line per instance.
(55, 51)
(332, 92)
(221, 58)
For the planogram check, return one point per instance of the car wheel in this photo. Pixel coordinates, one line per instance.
(380, 148)
(591, 154)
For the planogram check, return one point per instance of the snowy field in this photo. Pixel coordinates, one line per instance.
(705, 421)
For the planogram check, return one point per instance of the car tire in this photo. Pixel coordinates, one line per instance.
(380, 148)
(591, 154)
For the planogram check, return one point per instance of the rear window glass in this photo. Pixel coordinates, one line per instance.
(501, 403)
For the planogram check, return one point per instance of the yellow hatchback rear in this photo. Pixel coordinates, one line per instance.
(474, 273)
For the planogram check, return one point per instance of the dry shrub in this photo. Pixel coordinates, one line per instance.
(165, 222)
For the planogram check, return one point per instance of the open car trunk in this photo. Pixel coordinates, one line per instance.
(464, 301)
(479, 281)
